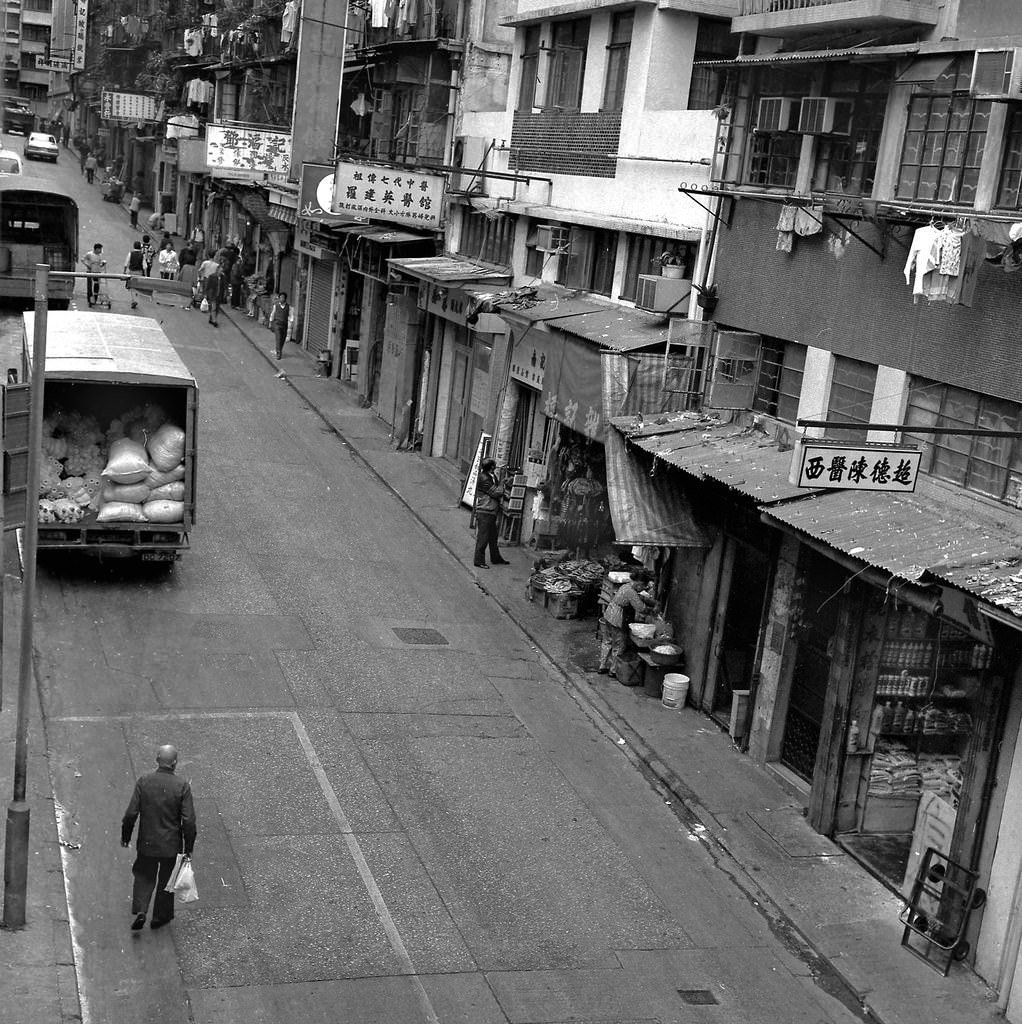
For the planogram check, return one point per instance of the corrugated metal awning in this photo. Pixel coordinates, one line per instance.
(446, 268)
(617, 327)
(795, 56)
(747, 461)
(969, 544)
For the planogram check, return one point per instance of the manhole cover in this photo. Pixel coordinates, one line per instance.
(697, 996)
(411, 635)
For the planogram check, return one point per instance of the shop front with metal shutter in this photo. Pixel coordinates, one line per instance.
(320, 305)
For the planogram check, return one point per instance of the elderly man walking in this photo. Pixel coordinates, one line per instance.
(162, 804)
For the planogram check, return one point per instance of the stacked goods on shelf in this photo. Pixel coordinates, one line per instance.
(131, 473)
(942, 774)
(894, 772)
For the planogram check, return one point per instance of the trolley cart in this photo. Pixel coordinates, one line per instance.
(102, 293)
(943, 896)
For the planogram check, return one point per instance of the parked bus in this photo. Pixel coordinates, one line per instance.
(37, 225)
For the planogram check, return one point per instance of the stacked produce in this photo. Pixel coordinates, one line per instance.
(131, 473)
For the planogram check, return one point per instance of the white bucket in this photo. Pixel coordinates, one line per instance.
(675, 690)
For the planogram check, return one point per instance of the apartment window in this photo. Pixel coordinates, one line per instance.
(530, 69)
(588, 264)
(851, 396)
(991, 465)
(35, 33)
(847, 163)
(643, 251)
(486, 238)
(714, 41)
(617, 60)
(944, 140)
(780, 379)
(567, 64)
(535, 259)
(1009, 188)
(36, 5)
(774, 149)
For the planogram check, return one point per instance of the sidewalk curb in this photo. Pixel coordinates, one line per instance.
(635, 749)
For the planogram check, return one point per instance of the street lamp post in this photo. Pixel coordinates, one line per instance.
(18, 813)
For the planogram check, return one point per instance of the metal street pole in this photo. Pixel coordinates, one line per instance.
(16, 837)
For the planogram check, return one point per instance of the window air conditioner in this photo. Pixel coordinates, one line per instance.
(775, 114)
(663, 294)
(553, 238)
(824, 115)
(997, 74)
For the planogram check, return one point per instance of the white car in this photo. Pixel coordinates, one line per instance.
(10, 162)
(41, 147)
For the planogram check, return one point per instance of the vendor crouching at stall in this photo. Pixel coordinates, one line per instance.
(630, 604)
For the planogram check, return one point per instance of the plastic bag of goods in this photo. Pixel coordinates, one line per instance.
(167, 447)
(121, 512)
(163, 511)
(47, 511)
(127, 462)
(159, 477)
(135, 494)
(168, 492)
(67, 511)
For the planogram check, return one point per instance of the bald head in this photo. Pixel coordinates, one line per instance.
(166, 756)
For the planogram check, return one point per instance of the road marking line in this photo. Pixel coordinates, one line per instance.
(393, 935)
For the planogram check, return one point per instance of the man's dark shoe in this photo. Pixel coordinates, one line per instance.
(139, 923)
(499, 561)
(158, 924)
(480, 565)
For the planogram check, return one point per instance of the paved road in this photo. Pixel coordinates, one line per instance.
(403, 817)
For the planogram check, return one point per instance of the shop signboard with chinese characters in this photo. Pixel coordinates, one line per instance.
(128, 106)
(235, 151)
(829, 465)
(44, 63)
(81, 9)
(386, 193)
(455, 304)
(528, 360)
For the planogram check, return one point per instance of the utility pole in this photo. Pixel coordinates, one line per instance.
(18, 812)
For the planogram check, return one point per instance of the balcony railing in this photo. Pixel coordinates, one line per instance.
(804, 17)
(433, 19)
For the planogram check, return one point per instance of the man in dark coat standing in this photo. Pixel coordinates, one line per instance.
(162, 803)
(487, 508)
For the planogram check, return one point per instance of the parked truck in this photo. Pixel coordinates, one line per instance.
(118, 460)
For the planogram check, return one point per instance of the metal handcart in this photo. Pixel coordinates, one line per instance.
(943, 896)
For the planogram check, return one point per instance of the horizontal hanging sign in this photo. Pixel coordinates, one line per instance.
(829, 465)
(385, 193)
(128, 106)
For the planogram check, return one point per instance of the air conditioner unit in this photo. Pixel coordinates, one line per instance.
(663, 294)
(997, 74)
(775, 114)
(553, 238)
(824, 115)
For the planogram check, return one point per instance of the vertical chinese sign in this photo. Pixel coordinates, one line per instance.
(404, 197)
(81, 9)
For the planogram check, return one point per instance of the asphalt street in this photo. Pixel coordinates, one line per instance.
(403, 815)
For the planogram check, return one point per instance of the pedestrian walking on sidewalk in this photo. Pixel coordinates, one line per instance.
(134, 265)
(209, 282)
(133, 207)
(279, 315)
(95, 262)
(629, 603)
(169, 264)
(162, 804)
(489, 491)
(91, 163)
(83, 155)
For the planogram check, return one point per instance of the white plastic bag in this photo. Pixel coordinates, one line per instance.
(134, 493)
(204, 306)
(185, 890)
(121, 512)
(157, 478)
(168, 492)
(163, 511)
(175, 871)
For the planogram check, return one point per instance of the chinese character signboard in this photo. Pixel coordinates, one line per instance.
(405, 197)
(128, 106)
(239, 152)
(856, 467)
(81, 8)
(44, 63)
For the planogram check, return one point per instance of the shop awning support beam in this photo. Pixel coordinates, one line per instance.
(910, 428)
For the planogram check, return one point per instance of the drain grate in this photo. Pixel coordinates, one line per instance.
(697, 996)
(411, 635)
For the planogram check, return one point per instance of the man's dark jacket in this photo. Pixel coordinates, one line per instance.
(163, 803)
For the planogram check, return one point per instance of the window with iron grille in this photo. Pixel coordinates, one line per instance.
(642, 255)
(617, 60)
(487, 238)
(851, 396)
(1009, 188)
(530, 69)
(772, 156)
(567, 64)
(589, 263)
(780, 379)
(944, 139)
(714, 41)
(990, 465)
(847, 163)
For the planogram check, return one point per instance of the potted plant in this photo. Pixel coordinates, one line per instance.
(671, 264)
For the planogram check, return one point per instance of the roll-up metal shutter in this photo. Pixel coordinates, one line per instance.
(317, 329)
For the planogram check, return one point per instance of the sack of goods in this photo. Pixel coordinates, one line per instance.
(133, 472)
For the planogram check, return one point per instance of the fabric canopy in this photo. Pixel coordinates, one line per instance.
(644, 509)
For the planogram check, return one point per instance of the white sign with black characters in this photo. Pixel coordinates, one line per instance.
(240, 152)
(833, 466)
(405, 197)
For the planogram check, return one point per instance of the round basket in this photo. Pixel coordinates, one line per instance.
(665, 654)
